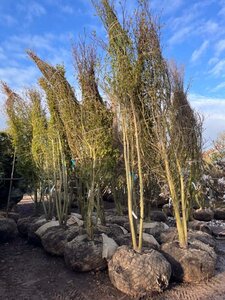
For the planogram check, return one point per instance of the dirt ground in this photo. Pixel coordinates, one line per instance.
(29, 273)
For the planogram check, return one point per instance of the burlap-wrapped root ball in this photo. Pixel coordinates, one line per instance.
(139, 274)
(205, 215)
(23, 225)
(83, 255)
(55, 238)
(192, 265)
(8, 229)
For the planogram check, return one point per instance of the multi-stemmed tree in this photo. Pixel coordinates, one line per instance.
(20, 129)
(126, 90)
(97, 155)
(177, 143)
(87, 127)
(160, 131)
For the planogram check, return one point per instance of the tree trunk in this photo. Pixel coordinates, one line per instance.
(10, 184)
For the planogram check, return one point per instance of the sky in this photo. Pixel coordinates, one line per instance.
(193, 34)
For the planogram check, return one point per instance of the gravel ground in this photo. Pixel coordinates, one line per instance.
(29, 273)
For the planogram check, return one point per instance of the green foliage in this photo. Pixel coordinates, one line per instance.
(39, 146)
(6, 150)
(96, 155)
(20, 129)
(60, 96)
(145, 133)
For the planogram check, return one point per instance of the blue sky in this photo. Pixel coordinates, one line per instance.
(193, 34)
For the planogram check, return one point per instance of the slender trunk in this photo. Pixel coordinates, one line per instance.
(44, 205)
(183, 198)
(57, 185)
(132, 175)
(129, 183)
(182, 234)
(140, 175)
(36, 200)
(91, 201)
(10, 183)
(57, 200)
(180, 229)
(66, 199)
(100, 206)
(80, 197)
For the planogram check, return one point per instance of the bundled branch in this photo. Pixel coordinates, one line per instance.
(20, 129)
(97, 155)
(64, 98)
(179, 148)
(124, 94)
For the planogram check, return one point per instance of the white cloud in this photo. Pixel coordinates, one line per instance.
(37, 9)
(206, 103)
(192, 15)
(193, 22)
(219, 87)
(46, 44)
(181, 21)
(67, 9)
(7, 19)
(219, 68)
(222, 10)
(210, 27)
(52, 48)
(180, 35)
(198, 52)
(31, 10)
(213, 61)
(19, 71)
(220, 47)
(22, 42)
(2, 54)
(213, 111)
(212, 128)
(168, 6)
(19, 77)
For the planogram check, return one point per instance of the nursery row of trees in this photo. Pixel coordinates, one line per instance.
(132, 130)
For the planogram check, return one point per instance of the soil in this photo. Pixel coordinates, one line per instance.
(29, 273)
